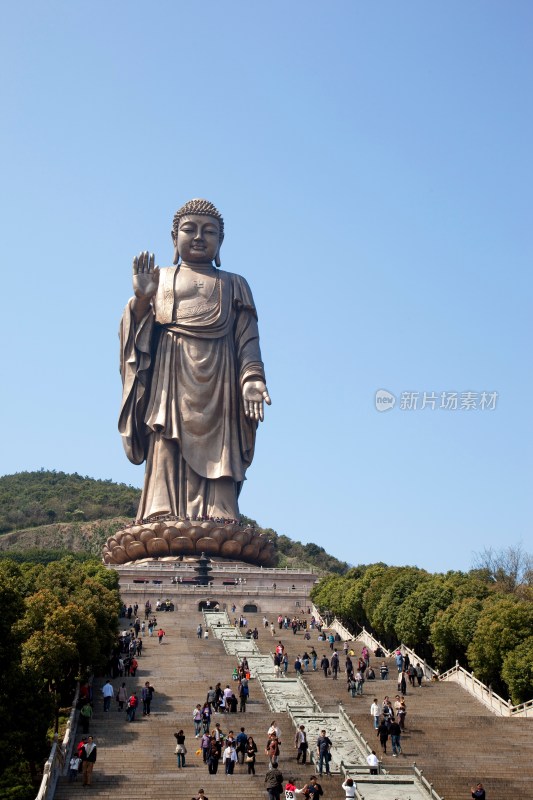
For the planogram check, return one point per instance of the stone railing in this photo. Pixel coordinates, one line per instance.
(426, 784)
(168, 589)
(364, 636)
(418, 779)
(467, 680)
(356, 732)
(59, 755)
(485, 695)
(371, 642)
(343, 632)
(316, 614)
(429, 672)
(162, 566)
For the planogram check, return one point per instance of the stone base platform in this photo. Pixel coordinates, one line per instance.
(189, 538)
(251, 589)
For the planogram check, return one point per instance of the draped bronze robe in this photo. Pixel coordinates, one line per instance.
(182, 410)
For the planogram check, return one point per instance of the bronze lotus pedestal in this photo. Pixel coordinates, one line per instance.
(189, 538)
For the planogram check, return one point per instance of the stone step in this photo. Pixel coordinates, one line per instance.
(449, 734)
(136, 760)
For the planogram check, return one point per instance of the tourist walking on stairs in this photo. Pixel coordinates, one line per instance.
(373, 762)
(300, 743)
(229, 758)
(122, 697)
(214, 756)
(107, 694)
(197, 719)
(274, 782)
(86, 713)
(395, 732)
(314, 789)
(324, 665)
(88, 758)
(323, 745)
(383, 734)
(291, 791)
(180, 750)
(375, 711)
(349, 788)
(250, 754)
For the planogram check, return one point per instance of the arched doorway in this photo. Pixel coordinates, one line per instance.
(250, 608)
(208, 605)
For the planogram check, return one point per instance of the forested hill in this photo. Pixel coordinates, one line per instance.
(31, 499)
(56, 511)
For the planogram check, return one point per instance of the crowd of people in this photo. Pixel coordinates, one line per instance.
(221, 750)
(204, 518)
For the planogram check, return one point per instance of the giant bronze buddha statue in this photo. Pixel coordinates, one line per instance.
(193, 395)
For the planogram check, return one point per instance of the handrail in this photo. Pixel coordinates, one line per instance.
(337, 626)
(316, 614)
(308, 692)
(59, 755)
(425, 783)
(345, 634)
(485, 695)
(467, 680)
(458, 674)
(216, 567)
(371, 642)
(429, 672)
(363, 742)
(167, 589)
(364, 636)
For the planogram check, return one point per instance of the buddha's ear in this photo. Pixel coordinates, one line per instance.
(176, 259)
(218, 262)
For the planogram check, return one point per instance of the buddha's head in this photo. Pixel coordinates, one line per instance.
(197, 233)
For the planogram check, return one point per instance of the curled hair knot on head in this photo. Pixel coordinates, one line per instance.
(198, 206)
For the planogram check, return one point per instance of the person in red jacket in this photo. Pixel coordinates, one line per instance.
(291, 791)
(133, 702)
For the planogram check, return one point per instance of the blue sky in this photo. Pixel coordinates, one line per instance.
(373, 164)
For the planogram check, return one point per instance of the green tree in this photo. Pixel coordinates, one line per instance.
(504, 623)
(417, 613)
(328, 594)
(386, 595)
(452, 630)
(517, 671)
(47, 658)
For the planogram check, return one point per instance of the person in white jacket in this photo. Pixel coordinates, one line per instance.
(229, 758)
(349, 788)
(375, 711)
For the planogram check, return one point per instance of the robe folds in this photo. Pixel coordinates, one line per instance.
(182, 411)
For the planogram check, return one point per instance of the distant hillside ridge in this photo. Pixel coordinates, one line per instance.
(56, 511)
(32, 499)
(61, 538)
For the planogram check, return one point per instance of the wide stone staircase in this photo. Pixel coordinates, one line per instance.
(450, 736)
(136, 760)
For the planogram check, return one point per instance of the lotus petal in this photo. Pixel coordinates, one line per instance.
(158, 547)
(135, 550)
(207, 545)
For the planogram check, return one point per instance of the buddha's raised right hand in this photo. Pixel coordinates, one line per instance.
(145, 276)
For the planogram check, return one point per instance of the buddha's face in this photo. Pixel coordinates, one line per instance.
(198, 239)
